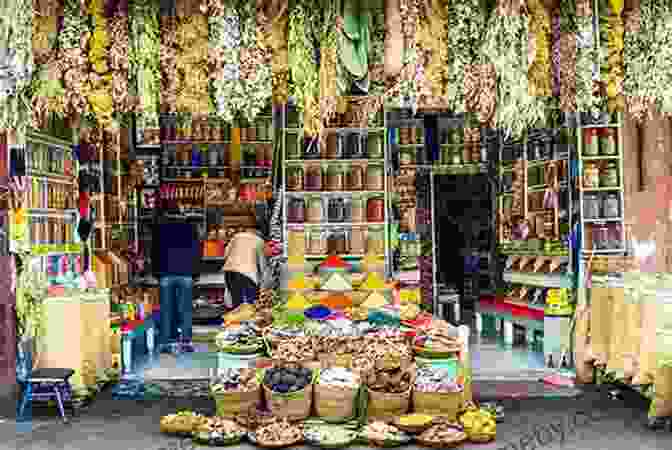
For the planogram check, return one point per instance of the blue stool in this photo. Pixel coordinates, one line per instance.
(41, 385)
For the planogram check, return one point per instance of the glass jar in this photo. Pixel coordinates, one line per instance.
(337, 242)
(375, 241)
(405, 157)
(335, 210)
(591, 176)
(375, 146)
(355, 178)
(313, 178)
(609, 175)
(608, 142)
(357, 240)
(296, 210)
(357, 210)
(611, 206)
(292, 146)
(375, 209)
(296, 242)
(314, 210)
(591, 206)
(295, 178)
(334, 150)
(347, 209)
(335, 178)
(316, 243)
(375, 177)
(590, 142)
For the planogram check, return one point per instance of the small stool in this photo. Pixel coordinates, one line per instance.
(57, 387)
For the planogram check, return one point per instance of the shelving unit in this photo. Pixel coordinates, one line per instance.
(299, 156)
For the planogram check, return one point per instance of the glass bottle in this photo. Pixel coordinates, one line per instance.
(611, 206)
(609, 175)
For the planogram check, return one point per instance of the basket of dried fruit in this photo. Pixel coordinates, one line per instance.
(235, 391)
(289, 391)
(389, 386)
(442, 435)
(219, 432)
(437, 343)
(181, 424)
(279, 433)
(479, 424)
(381, 434)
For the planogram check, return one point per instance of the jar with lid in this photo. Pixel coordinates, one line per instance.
(337, 242)
(375, 177)
(313, 178)
(316, 243)
(375, 241)
(608, 142)
(375, 146)
(355, 178)
(357, 240)
(611, 206)
(590, 142)
(295, 178)
(609, 175)
(591, 206)
(314, 210)
(335, 210)
(334, 147)
(292, 146)
(296, 210)
(296, 242)
(357, 210)
(405, 157)
(375, 209)
(591, 176)
(353, 146)
(335, 178)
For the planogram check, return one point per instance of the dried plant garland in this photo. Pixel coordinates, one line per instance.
(146, 56)
(506, 48)
(432, 44)
(402, 92)
(539, 71)
(611, 55)
(586, 98)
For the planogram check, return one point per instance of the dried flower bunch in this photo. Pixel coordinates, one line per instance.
(539, 71)
(433, 55)
(401, 90)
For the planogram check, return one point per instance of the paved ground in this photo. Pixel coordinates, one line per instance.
(591, 421)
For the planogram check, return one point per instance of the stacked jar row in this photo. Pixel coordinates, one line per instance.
(354, 177)
(341, 241)
(336, 209)
(338, 146)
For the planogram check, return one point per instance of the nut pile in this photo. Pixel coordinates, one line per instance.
(339, 376)
(440, 340)
(235, 380)
(278, 432)
(391, 375)
(380, 431)
(329, 434)
(443, 433)
(217, 427)
(245, 335)
(295, 350)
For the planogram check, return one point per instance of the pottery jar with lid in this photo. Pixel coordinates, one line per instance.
(354, 179)
(296, 210)
(313, 178)
(591, 146)
(292, 146)
(611, 206)
(337, 242)
(405, 157)
(357, 210)
(295, 178)
(375, 241)
(335, 178)
(353, 146)
(375, 178)
(591, 176)
(314, 210)
(609, 175)
(608, 142)
(358, 240)
(375, 209)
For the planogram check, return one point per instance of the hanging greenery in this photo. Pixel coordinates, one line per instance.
(377, 53)
(401, 92)
(31, 291)
(433, 55)
(242, 59)
(506, 48)
(16, 64)
(144, 55)
(539, 71)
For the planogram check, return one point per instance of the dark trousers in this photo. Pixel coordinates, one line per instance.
(176, 307)
(241, 288)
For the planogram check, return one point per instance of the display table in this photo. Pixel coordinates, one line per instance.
(77, 336)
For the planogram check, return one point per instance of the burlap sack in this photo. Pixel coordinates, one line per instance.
(620, 335)
(601, 306)
(647, 357)
(632, 320)
(582, 353)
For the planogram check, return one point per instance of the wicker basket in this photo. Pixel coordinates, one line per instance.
(412, 429)
(254, 440)
(386, 407)
(482, 438)
(336, 403)
(445, 404)
(230, 404)
(442, 444)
